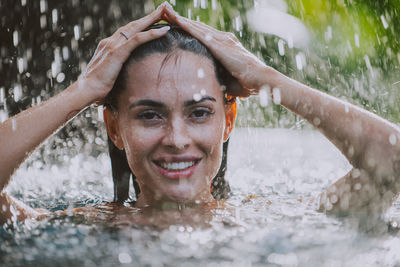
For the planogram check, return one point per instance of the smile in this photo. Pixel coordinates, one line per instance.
(177, 166)
(177, 170)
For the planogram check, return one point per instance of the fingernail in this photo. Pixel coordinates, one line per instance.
(164, 29)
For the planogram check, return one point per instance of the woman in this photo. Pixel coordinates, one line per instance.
(172, 127)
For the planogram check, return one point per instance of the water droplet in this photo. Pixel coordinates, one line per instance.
(281, 47)
(77, 32)
(356, 40)
(276, 96)
(17, 92)
(385, 24)
(238, 24)
(316, 121)
(214, 4)
(43, 6)
(65, 53)
(200, 73)
(355, 173)
(100, 113)
(2, 94)
(3, 115)
(13, 125)
(300, 61)
(43, 21)
(54, 16)
(392, 139)
(20, 64)
(15, 38)
(264, 95)
(124, 258)
(328, 34)
(357, 186)
(197, 97)
(87, 24)
(203, 92)
(203, 4)
(60, 77)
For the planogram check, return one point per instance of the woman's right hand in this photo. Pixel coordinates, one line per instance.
(112, 52)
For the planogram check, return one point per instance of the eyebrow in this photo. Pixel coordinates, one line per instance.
(152, 103)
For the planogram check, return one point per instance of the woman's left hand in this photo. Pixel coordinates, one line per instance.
(243, 65)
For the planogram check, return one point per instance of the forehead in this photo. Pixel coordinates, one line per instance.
(178, 76)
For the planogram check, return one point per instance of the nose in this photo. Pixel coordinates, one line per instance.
(176, 136)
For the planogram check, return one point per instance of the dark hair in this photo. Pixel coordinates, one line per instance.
(176, 38)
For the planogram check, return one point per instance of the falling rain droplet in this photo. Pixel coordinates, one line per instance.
(238, 23)
(54, 16)
(100, 113)
(15, 38)
(43, 21)
(17, 93)
(392, 139)
(65, 53)
(43, 6)
(13, 125)
(299, 61)
(203, 4)
(77, 32)
(357, 40)
(276, 95)
(384, 22)
(20, 64)
(3, 115)
(2, 93)
(264, 95)
(328, 34)
(281, 47)
(214, 4)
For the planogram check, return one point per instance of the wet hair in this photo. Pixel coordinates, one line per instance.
(175, 39)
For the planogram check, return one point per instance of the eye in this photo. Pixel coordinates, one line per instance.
(149, 116)
(201, 113)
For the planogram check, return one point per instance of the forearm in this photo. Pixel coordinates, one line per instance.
(368, 141)
(21, 134)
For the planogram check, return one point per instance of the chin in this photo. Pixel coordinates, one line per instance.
(181, 195)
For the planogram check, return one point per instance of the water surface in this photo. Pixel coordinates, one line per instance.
(268, 221)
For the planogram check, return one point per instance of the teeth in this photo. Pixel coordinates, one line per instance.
(176, 166)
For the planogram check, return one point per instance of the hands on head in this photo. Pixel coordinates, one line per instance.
(112, 52)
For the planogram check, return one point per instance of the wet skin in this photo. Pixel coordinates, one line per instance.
(172, 122)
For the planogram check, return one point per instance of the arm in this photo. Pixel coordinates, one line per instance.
(369, 142)
(21, 134)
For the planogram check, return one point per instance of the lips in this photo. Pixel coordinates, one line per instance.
(177, 169)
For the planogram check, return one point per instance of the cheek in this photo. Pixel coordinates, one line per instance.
(138, 142)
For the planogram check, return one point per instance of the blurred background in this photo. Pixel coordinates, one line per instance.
(348, 48)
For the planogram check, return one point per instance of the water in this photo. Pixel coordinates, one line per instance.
(268, 221)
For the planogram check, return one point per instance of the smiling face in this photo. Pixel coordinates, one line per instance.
(172, 121)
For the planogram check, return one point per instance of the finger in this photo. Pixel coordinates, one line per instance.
(141, 24)
(140, 38)
(187, 24)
